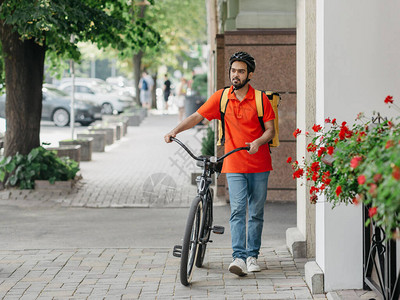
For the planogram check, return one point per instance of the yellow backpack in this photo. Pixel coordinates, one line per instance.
(273, 97)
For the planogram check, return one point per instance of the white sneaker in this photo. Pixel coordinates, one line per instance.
(252, 265)
(238, 267)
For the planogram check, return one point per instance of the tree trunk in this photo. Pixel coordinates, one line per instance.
(137, 65)
(24, 64)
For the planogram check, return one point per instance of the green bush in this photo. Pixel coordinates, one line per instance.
(207, 143)
(199, 85)
(40, 164)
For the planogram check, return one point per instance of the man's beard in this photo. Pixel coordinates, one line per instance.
(238, 82)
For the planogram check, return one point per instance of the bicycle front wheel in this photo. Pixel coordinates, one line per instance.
(190, 245)
(205, 230)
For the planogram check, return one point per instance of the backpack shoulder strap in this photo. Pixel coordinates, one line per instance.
(260, 107)
(223, 103)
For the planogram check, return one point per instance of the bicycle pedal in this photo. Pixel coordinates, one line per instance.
(177, 252)
(218, 229)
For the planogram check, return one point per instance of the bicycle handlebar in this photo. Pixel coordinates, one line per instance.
(186, 148)
(202, 159)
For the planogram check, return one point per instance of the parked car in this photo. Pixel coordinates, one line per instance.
(57, 108)
(96, 90)
(122, 85)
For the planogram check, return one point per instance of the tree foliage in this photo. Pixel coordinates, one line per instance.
(181, 25)
(52, 24)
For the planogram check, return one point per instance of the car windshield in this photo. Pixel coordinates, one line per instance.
(55, 92)
(102, 87)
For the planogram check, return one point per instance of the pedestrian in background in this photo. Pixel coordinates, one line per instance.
(146, 84)
(247, 172)
(181, 97)
(167, 90)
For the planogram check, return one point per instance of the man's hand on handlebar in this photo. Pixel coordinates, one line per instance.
(168, 136)
(254, 145)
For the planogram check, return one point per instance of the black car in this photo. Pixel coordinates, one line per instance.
(57, 108)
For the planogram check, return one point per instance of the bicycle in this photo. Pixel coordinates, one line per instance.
(199, 223)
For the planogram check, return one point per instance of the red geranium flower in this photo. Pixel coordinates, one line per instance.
(389, 143)
(377, 177)
(361, 179)
(389, 99)
(321, 151)
(298, 173)
(390, 124)
(396, 173)
(327, 120)
(311, 147)
(338, 190)
(325, 178)
(317, 128)
(296, 132)
(313, 199)
(315, 166)
(355, 161)
(289, 160)
(372, 189)
(315, 176)
(345, 132)
(330, 150)
(334, 121)
(372, 211)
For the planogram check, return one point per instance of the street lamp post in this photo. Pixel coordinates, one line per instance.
(72, 70)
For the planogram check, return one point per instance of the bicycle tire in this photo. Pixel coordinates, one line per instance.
(190, 245)
(205, 232)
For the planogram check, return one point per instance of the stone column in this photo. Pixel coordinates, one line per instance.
(231, 13)
(301, 240)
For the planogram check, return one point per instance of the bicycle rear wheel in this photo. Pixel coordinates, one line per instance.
(190, 245)
(205, 231)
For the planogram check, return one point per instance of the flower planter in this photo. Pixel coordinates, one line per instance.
(45, 185)
(99, 140)
(119, 120)
(133, 119)
(71, 151)
(86, 147)
(110, 133)
(142, 112)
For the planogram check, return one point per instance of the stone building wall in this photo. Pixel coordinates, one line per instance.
(275, 53)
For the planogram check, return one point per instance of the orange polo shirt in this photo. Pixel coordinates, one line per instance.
(241, 126)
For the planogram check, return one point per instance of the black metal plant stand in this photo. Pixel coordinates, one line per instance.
(379, 261)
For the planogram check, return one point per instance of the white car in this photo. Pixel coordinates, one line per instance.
(92, 89)
(122, 85)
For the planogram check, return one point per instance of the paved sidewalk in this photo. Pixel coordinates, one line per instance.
(139, 171)
(143, 274)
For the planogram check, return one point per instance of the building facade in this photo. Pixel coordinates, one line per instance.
(266, 30)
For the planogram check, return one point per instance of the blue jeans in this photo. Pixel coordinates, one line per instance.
(251, 189)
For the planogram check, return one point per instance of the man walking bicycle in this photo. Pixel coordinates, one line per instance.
(247, 172)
